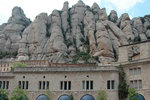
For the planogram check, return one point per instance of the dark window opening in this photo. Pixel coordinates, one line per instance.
(69, 85)
(40, 84)
(47, 85)
(23, 84)
(0, 84)
(91, 85)
(19, 84)
(43, 84)
(87, 85)
(112, 84)
(61, 85)
(27, 84)
(108, 84)
(7, 84)
(65, 85)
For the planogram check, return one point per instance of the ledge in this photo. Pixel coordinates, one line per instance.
(6, 74)
(65, 69)
(134, 62)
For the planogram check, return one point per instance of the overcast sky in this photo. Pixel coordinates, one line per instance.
(32, 8)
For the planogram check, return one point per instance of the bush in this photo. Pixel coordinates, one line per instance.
(18, 64)
(3, 95)
(71, 97)
(101, 95)
(19, 94)
(132, 94)
(81, 55)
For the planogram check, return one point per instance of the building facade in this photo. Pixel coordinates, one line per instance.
(82, 81)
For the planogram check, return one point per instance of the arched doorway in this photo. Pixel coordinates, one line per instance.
(42, 97)
(87, 97)
(63, 97)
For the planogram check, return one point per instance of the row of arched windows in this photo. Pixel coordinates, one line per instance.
(84, 97)
(66, 97)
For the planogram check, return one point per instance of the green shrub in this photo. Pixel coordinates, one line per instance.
(19, 94)
(132, 94)
(101, 95)
(18, 64)
(71, 97)
(49, 94)
(81, 55)
(3, 95)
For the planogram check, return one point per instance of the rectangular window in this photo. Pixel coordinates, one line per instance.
(108, 84)
(130, 71)
(65, 85)
(112, 84)
(139, 71)
(47, 85)
(19, 84)
(40, 84)
(23, 84)
(61, 85)
(135, 71)
(131, 84)
(43, 84)
(69, 85)
(27, 83)
(87, 85)
(91, 85)
(83, 85)
(140, 84)
(7, 84)
(3, 84)
(135, 84)
(0, 84)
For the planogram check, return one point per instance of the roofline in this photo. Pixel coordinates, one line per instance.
(135, 43)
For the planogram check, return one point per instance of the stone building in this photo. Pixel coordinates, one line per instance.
(83, 81)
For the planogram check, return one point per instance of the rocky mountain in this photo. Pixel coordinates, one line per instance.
(80, 34)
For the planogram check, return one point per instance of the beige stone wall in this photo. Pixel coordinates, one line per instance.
(143, 47)
(99, 83)
(144, 76)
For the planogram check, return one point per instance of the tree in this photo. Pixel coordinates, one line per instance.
(123, 87)
(3, 95)
(101, 95)
(132, 94)
(49, 94)
(71, 97)
(19, 94)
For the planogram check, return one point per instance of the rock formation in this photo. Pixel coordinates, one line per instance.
(80, 34)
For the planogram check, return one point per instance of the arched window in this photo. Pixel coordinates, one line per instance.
(87, 97)
(42, 97)
(139, 96)
(63, 97)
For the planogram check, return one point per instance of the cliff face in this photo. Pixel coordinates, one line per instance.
(80, 34)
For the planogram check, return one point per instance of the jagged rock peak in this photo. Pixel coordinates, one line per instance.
(125, 16)
(65, 6)
(41, 16)
(17, 11)
(95, 6)
(80, 3)
(113, 16)
(18, 16)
